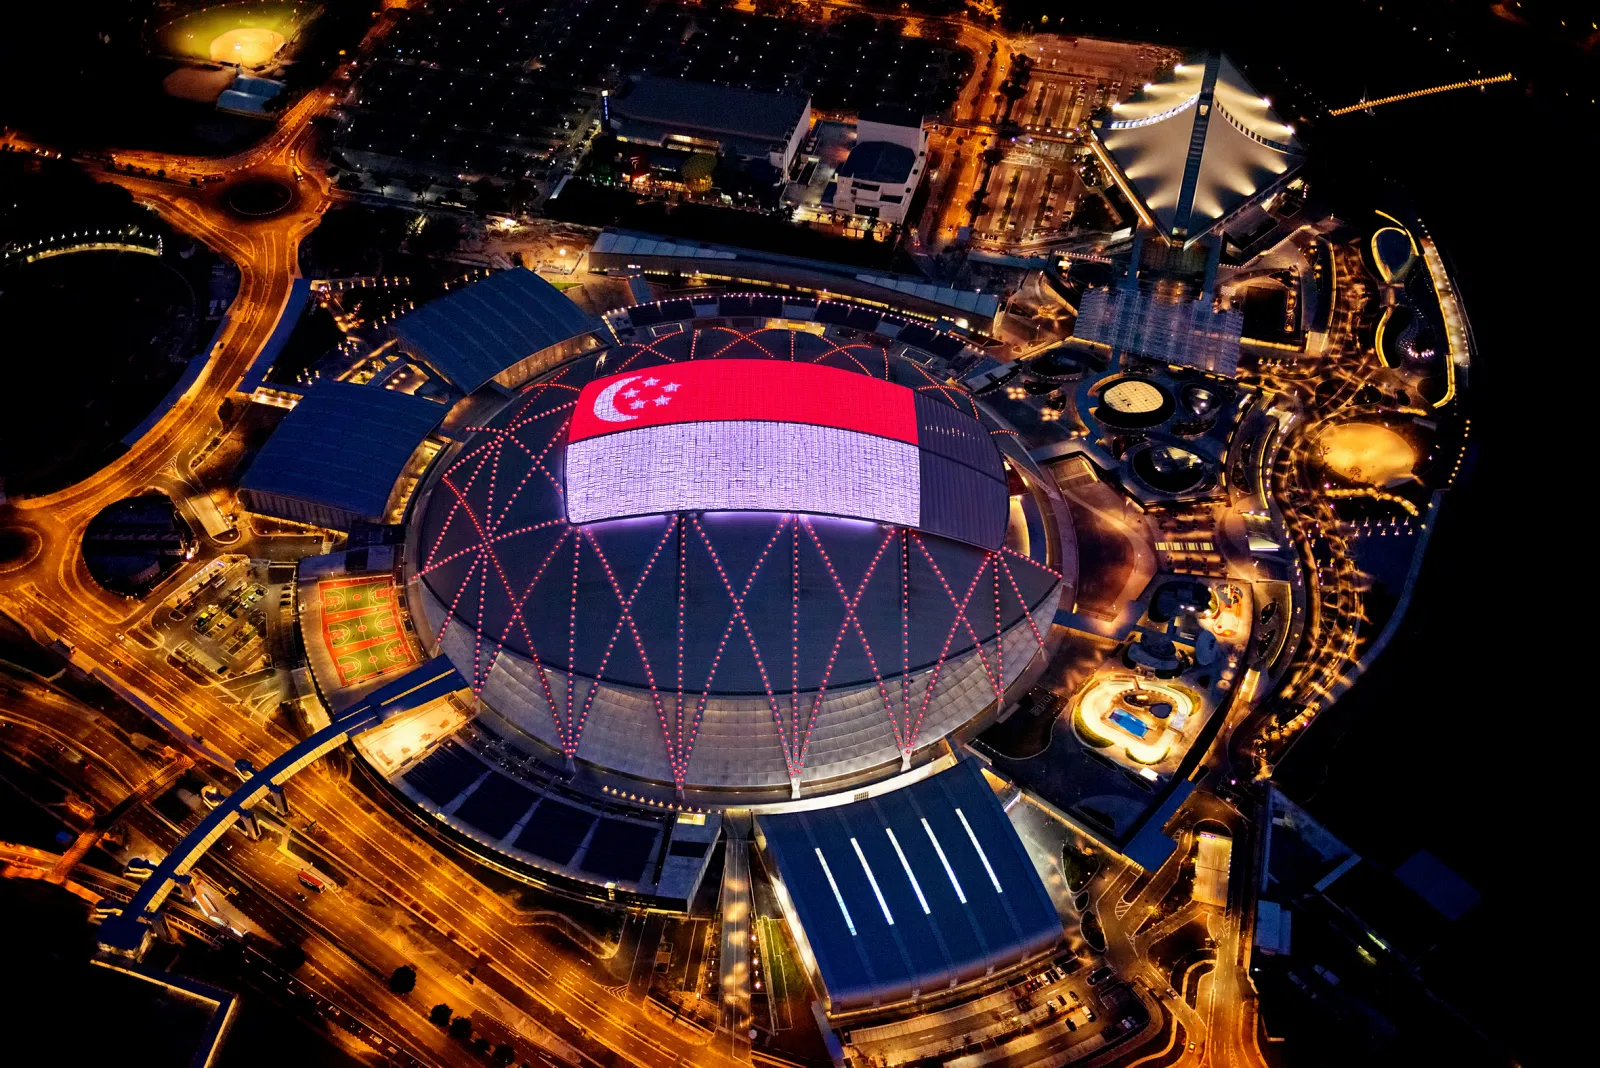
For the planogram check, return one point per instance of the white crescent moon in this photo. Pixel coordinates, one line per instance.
(605, 409)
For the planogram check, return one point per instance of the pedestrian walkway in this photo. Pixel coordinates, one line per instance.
(736, 932)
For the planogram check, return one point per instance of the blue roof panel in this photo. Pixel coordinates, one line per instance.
(343, 446)
(474, 333)
(879, 962)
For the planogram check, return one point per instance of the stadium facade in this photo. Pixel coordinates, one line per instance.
(748, 551)
(771, 603)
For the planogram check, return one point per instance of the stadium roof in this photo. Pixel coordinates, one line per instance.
(474, 333)
(878, 161)
(343, 446)
(912, 891)
(1196, 147)
(722, 109)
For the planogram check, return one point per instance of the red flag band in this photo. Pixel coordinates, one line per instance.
(775, 391)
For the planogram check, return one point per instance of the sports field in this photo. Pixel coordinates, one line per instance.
(362, 629)
(250, 33)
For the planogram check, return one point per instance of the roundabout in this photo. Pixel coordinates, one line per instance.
(258, 198)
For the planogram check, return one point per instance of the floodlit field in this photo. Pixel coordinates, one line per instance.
(1365, 452)
(362, 629)
(250, 33)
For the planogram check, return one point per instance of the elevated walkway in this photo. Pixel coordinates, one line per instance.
(128, 934)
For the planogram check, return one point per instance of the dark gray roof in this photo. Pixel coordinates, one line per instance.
(474, 333)
(344, 446)
(919, 856)
(892, 115)
(720, 109)
(879, 161)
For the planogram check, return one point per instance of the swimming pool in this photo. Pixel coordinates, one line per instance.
(1129, 722)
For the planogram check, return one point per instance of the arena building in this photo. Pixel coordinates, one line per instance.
(746, 564)
(740, 551)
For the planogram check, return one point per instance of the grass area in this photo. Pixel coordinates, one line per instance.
(1092, 933)
(1077, 868)
(361, 628)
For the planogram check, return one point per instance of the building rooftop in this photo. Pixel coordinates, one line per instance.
(892, 115)
(344, 446)
(910, 892)
(723, 109)
(1197, 146)
(879, 161)
(474, 333)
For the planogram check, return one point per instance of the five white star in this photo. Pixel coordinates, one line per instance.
(651, 381)
(663, 400)
(630, 393)
(670, 387)
(636, 405)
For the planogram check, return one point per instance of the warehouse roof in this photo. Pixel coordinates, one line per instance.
(913, 891)
(344, 446)
(474, 333)
(724, 109)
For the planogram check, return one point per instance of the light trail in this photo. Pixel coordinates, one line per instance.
(1415, 93)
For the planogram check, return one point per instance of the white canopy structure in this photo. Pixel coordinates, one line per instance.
(1195, 149)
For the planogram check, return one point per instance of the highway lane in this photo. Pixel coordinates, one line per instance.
(398, 862)
(53, 595)
(355, 919)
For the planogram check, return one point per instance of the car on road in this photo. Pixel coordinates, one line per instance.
(1099, 975)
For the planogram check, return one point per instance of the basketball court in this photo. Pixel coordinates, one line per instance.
(361, 628)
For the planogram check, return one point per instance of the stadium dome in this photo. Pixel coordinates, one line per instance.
(751, 563)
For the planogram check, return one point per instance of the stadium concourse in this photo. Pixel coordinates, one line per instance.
(748, 552)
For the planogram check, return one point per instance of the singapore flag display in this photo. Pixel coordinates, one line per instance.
(744, 435)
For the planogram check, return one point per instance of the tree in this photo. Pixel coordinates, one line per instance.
(461, 1028)
(480, 1046)
(504, 1055)
(404, 979)
(440, 1014)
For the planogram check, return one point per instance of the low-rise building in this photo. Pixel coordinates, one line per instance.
(883, 170)
(675, 113)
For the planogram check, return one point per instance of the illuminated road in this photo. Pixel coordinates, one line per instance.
(53, 595)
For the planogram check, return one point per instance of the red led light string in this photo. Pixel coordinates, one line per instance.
(1007, 550)
(947, 391)
(738, 600)
(487, 547)
(541, 413)
(999, 631)
(852, 620)
(794, 627)
(460, 502)
(905, 627)
(517, 618)
(961, 618)
(501, 536)
(683, 559)
(679, 770)
(450, 615)
(1026, 613)
(938, 667)
(569, 746)
(845, 350)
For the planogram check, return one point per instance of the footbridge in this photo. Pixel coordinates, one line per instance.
(127, 928)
